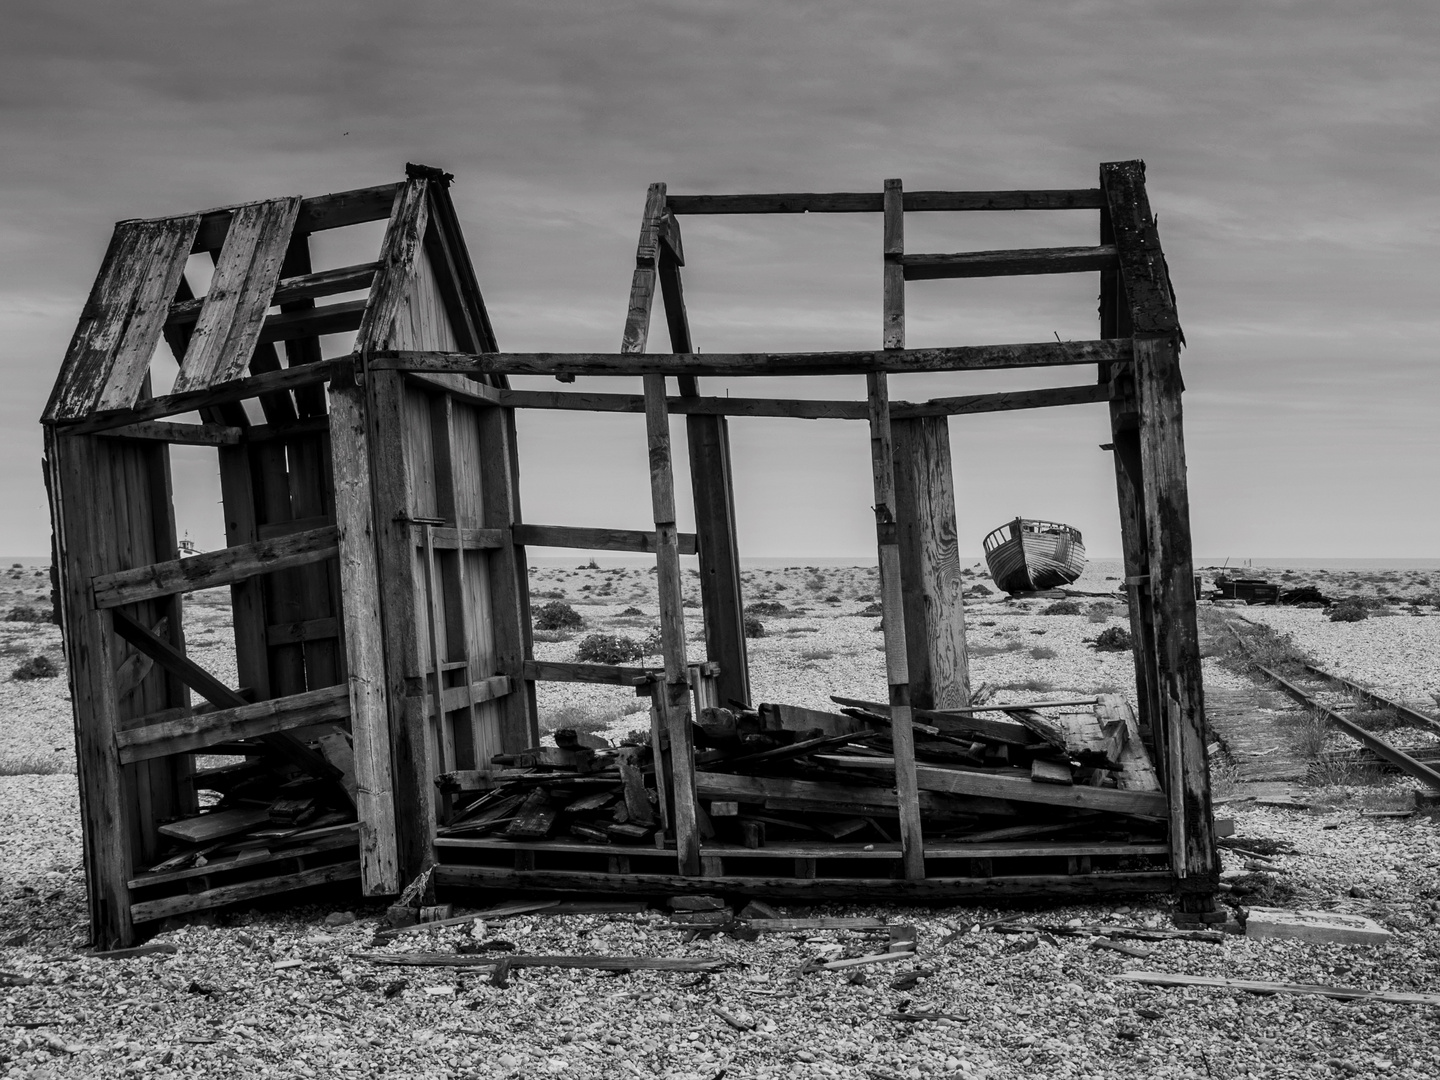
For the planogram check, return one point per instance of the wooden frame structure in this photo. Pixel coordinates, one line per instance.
(380, 598)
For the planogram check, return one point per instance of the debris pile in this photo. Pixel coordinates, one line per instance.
(784, 775)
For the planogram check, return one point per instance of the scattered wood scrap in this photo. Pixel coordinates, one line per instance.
(1347, 993)
(812, 783)
(597, 963)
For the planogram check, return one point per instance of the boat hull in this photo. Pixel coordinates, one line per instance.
(1028, 561)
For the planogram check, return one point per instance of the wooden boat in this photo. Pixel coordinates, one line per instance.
(1026, 555)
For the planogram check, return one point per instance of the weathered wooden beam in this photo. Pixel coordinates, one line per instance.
(213, 568)
(109, 355)
(316, 214)
(613, 674)
(446, 538)
(295, 633)
(342, 279)
(239, 390)
(364, 689)
(853, 202)
(712, 486)
(808, 890)
(313, 322)
(895, 361)
(973, 264)
(1148, 804)
(232, 313)
(801, 409)
(224, 895)
(189, 734)
(882, 461)
(180, 434)
(1150, 301)
(930, 583)
(567, 536)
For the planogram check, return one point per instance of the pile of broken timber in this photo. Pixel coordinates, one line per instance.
(787, 792)
(285, 813)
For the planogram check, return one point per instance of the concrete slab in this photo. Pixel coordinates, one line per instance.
(1324, 926)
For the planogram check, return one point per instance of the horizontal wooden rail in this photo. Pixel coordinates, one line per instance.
(181, 434)
(477, 693)
(331, 319)
(549, 671)
(304, 287)
(449, 538)
(223, 567)
(895, 361)
(943, 849)
(237, 390)
(567, 536)
(150, 910)
(854, 202)
(294, 633)
(316, 214)
(808, 890)
(800, 409)
(971, 264)
(189, 734)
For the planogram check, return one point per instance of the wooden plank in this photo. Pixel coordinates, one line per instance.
(852, 202)
(1021, 789)
(973, 264)
(414, 791)
(811, 890)
(213, 568)
(239, 390)
(293, 633)
(1255, 986)
(895, 361)
(882, 461)
(445, 538)
(181, 434)
(228, 325)
(188, 734)
(672, 698)
(334, 211)
(1136, 772)
(224, 895)
(313, 321)
(79, 506)
(364, 641)
(172, 659)
(123, 318)
(930, 582)
(592, 963)
(712, 485)
(1004, 401)
(614, 675)
(216, 825)
(1149, 295)
(399, 255)
(567, 536)
(476, 693)
(342, 279)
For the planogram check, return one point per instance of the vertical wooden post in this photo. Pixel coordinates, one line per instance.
(1155, 330)
(721, 593)
(1129, 491)
(364, 641)
(883, 465)
(675, 695)
(82, 512)
(930, 564)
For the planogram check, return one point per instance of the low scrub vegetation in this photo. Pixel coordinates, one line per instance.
(558, 616)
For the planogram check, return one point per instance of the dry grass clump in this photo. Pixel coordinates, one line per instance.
(1062, 607)
(558, 616)
(1351, 609)
(1114, 639)
(39, 666)
(754, 628)
(32, 764)
(1239, 646)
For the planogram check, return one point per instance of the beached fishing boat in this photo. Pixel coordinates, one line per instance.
(1026, 555)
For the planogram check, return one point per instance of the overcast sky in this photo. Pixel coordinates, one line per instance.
(1292, 159)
